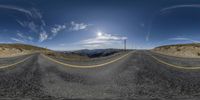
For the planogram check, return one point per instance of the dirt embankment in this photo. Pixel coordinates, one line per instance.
(10, 50)
(180, 50)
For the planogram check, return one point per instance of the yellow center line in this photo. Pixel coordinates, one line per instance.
(172, 65)
(10, 65)
(86, 66)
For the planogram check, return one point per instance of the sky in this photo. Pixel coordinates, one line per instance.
(99, 24)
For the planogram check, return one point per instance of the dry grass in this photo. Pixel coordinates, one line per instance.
(68, 57)
(180, 50)
(9, 50)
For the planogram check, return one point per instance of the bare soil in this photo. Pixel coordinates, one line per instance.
(180, 50)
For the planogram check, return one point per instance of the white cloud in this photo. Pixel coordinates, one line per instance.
(43, 36)
(92, 45)
(78, 26)
(105, 36)
(17, 40)
(57, 29)
(102, 39)
(73, 26)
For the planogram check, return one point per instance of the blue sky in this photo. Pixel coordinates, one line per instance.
(91, 24)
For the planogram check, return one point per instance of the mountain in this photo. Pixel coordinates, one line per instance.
(96, 52)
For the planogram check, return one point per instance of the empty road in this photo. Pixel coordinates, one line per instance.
(138, 74)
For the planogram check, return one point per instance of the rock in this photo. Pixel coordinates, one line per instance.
(180, 50)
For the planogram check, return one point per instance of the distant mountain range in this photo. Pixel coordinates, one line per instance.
(8, 50)
(94, 53)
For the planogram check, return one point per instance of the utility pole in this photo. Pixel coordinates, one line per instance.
(125, 44)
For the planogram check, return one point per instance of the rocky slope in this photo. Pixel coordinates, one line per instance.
(180, 50)
(9, 50)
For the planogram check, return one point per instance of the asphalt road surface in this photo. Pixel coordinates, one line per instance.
(138, 75)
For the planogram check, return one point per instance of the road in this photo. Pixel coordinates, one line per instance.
(137, 75)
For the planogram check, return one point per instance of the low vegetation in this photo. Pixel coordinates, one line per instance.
(69, 57)
(9, 50)
(84, 55)
(96, 53)
(180, 50)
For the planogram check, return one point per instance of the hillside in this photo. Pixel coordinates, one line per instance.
(9, 50)
(96, 52)
(67, 56)
(180, 50)
(83, 55)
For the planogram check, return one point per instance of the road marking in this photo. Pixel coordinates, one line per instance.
(172, 65)
(86, 66)
(6, 66)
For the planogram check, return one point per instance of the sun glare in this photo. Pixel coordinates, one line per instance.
(99, 34)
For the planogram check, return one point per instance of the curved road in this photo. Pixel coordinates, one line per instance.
(137, 75)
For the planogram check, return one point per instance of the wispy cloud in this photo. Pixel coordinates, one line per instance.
(17, 40)
(184, 39)
(6, 42)
(165, 10)
(25, 38)
(35, 23)
(102, 39)
(53, 32)
(20, 35)
(73, 26)
(62, 44)
(180, 6)
(78, 26)
(16, 8)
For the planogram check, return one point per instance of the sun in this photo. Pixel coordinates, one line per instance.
(99, 34)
